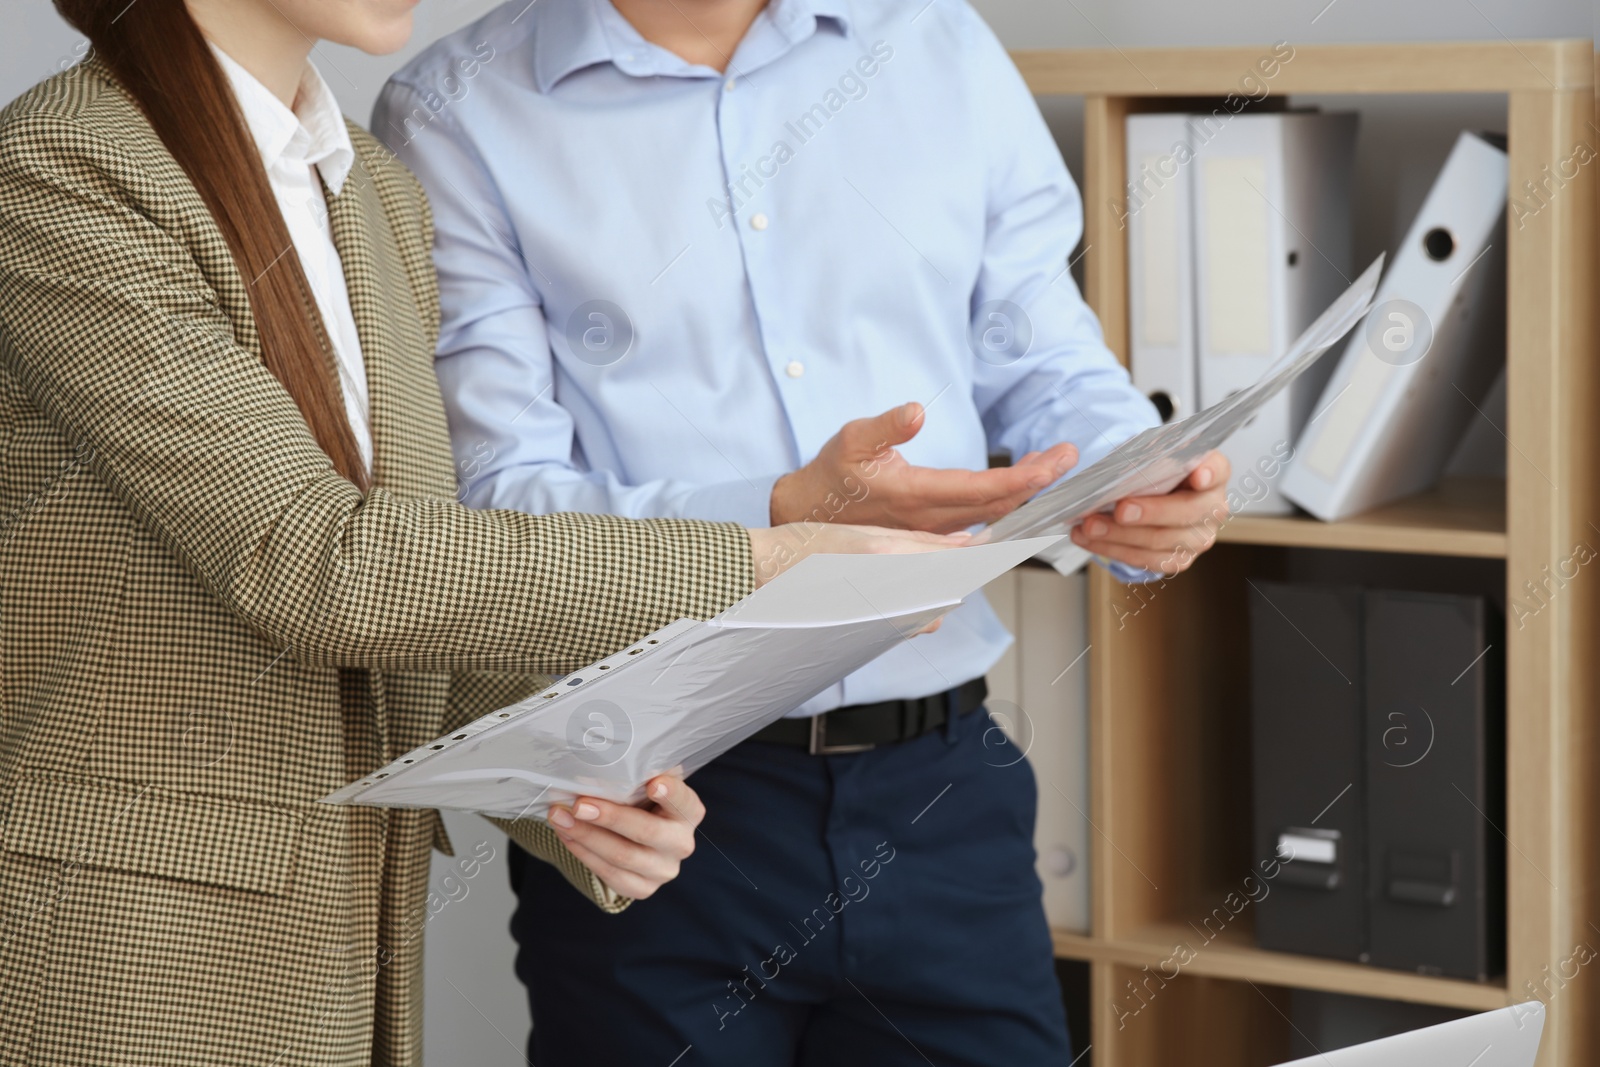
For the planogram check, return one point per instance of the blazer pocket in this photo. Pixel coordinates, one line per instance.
(194, 837)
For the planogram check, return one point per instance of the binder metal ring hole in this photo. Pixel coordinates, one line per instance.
(1294, 259)
(408, 761)
(1438, 243)
(437, 747)
(458, 737)
(505, 715)
(1166, 407)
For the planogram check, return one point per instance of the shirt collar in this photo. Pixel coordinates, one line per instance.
(574, 34)
(569, 38)
(799, 18)
(313, 132)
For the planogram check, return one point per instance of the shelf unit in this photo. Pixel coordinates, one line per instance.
(1169, 783)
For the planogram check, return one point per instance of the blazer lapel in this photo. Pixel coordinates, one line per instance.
(410, 443)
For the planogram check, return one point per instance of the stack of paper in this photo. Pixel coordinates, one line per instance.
(690, 691)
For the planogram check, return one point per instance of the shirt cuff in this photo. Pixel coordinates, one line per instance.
(1069, 559)
(747, 502)
(1128, 574)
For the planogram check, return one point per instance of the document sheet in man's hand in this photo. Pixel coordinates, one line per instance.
(1159, 459)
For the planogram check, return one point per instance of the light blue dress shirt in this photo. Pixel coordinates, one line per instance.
(664, 287)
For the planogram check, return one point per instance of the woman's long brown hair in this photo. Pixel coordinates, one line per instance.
(158, 53)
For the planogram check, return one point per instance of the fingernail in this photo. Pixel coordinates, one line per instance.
(1039, 481)
(562, 818)
(1096, 528)
(908, 412)
(586, 811)
(659, 791)
(1132, 513)
(1202, 477)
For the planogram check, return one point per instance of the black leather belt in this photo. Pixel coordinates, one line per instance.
(862, 726)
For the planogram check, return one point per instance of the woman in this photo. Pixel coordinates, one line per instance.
(233, 576)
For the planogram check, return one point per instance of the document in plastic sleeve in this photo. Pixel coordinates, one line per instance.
(690, 691)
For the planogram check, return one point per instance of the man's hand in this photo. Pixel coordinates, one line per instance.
(1163, 533)
(860, 478)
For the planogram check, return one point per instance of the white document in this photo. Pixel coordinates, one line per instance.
(690, 691)
(1157, 460)
(1039, 695)
(1406, 386)
(1054, 676)
(1272, 221)
(1161, 263)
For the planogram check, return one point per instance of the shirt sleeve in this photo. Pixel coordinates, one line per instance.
(1042, 371)
(515, 445)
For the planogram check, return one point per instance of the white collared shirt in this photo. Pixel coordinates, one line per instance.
(292, 142)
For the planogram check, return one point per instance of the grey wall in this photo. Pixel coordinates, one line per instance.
(1147, 23)
(475, 1011)
(34, 42)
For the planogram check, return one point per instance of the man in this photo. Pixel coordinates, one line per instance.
(680, 242)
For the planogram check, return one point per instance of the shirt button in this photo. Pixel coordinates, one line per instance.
(795, 368)
(758, 221)
(728, 85)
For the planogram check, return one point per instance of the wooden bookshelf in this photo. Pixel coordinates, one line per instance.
(1169, 780)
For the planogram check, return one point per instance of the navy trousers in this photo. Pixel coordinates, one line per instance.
(879, 908)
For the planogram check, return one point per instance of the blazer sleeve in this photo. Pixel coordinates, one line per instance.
(110, 326)
(536, 836)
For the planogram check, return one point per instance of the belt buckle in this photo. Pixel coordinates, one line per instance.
(819, 740)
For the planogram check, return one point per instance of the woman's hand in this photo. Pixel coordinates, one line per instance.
(781, 547)
(635, 851)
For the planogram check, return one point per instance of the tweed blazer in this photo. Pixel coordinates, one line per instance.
(204, 629)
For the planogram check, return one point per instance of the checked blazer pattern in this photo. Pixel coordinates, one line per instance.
(203, 628)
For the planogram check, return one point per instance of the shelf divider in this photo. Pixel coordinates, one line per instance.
(1234, 956)
(1462, 517)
